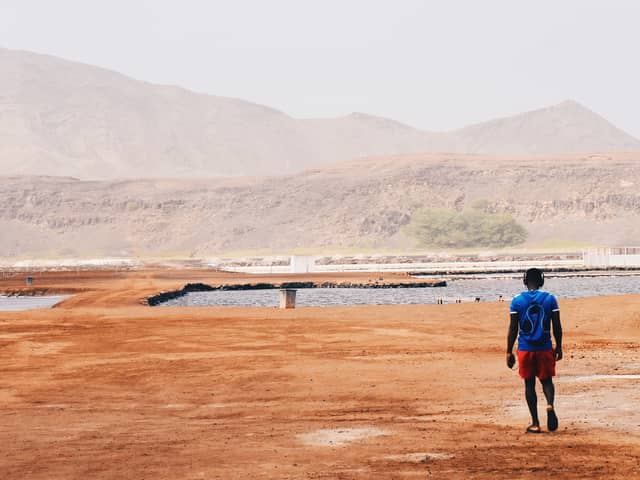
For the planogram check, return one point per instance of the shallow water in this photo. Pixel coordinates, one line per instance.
(16, 304)
(487, 289)
(562, 286)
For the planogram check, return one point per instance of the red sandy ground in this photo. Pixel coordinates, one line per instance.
(102, 387)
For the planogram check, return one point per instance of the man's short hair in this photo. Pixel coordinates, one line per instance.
(534, 275)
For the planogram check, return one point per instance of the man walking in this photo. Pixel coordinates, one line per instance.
(533, 313)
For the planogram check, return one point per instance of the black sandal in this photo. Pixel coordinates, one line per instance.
(533, 429)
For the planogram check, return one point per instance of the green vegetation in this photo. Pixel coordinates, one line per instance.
(444, 228)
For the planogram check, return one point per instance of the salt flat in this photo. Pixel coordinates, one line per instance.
(105, 387)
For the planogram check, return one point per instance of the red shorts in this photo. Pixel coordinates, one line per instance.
(540, 364)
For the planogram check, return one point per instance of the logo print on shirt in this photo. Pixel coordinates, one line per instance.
(531, 324)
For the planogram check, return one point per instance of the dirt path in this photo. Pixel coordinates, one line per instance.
(102, 387)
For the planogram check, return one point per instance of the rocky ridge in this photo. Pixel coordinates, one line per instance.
(581, 200)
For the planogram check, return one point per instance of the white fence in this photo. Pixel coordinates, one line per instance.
(612, 257)
(431, 267)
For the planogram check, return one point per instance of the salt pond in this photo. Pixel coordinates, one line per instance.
(15, 304)
(486, 289)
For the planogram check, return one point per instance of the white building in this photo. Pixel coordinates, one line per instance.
(302, 263)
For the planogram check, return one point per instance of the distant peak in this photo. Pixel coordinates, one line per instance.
(375, 119)
(571, 105)
(362, 116)
(570, 102)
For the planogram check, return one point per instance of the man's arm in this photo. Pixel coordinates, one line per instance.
(511, 338)
(557, 332)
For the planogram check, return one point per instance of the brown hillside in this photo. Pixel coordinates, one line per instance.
(577, 199)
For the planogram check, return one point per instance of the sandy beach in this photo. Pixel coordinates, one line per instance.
(104, 387)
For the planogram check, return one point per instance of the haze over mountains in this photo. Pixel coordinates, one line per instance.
(63, 118)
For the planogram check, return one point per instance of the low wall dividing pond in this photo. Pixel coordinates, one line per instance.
(202, 287)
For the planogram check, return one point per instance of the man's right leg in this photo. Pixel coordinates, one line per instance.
(549, 390)
(532, 399)
(549, 393)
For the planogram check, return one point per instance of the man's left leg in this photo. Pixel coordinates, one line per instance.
(547, 371)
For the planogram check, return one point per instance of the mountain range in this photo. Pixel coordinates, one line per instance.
(62, 118)
(93, 163)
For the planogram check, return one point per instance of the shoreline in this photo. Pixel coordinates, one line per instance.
(172, 283)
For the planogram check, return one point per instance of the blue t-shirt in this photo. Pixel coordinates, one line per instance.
(534, 309)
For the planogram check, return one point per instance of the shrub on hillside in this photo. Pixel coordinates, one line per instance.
(439, 227)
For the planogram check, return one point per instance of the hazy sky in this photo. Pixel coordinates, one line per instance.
(432, 64)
